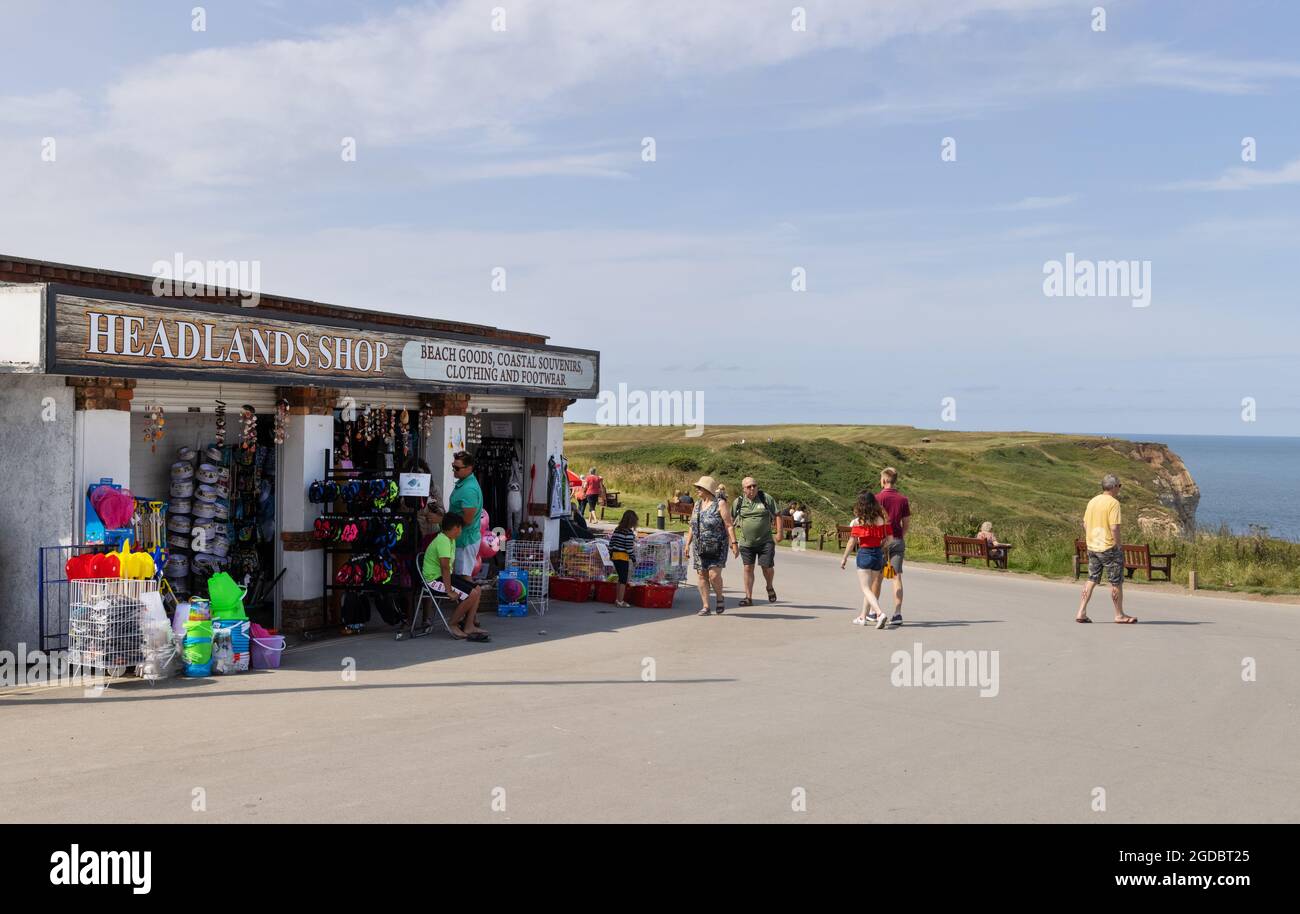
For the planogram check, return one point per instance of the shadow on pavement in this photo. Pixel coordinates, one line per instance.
(172, 689)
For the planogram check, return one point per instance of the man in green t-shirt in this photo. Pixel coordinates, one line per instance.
(438, 565)
(753, 515)
(467, 502)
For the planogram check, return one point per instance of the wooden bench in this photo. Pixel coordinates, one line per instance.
(1136, 558)
(788, 527)
(677, 509)
(972, 547)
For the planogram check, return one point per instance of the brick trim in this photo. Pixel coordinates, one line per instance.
(102, 393)
(298, 615)
(309, 401)
(294, 541)
(548, 406)
(446, 404)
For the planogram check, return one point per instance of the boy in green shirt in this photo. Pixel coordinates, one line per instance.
(438, 565)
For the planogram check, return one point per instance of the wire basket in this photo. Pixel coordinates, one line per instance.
(667, 552)
(529, 556)
(585, 560)
(106, 623)
(653, 564)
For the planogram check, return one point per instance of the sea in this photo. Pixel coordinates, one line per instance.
(1244, 480)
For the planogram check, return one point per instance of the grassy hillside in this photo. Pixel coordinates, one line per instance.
(1032, 486)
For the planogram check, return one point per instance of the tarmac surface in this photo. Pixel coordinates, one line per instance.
(780, 712)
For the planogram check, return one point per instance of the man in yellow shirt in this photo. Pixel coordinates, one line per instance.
(1101, 523)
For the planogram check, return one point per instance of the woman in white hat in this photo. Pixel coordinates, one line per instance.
(712, 535)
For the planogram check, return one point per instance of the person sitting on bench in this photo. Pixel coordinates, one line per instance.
(996, 553)
(438, 559)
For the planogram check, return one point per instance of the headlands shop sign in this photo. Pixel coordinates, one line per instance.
(139, 338)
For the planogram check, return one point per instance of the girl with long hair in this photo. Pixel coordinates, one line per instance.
(870, 534)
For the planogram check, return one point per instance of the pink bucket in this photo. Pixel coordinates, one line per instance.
(266, 651)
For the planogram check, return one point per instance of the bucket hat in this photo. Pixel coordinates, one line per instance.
(707, 483)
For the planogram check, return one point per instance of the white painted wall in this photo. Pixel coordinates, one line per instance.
(21, 314)
(102, 449)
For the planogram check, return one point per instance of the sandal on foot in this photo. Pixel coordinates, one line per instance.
(478, 637)
(771, 595)
(745, 601)
(705, 612)
(1084, 619)
(1127, 620)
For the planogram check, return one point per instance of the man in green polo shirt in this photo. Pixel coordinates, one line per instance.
(753, 514)
(467, 502)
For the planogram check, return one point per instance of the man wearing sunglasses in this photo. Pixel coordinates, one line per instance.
(467, 503)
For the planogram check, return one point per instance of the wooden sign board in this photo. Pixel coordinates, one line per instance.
(136, 336)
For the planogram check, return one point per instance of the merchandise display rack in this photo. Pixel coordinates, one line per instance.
(394, 588)
(530, 557)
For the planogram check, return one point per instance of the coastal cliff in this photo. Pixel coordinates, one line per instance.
(1173, 484)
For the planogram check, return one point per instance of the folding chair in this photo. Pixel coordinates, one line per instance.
(434, 591)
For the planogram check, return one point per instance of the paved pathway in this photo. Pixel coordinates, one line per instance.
(747, 710)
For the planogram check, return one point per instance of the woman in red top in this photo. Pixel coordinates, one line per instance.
(870, 535)
(592, 488)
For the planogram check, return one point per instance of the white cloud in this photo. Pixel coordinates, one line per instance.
(1245, 177)
(1036, 203)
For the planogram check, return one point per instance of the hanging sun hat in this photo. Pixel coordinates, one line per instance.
(222, 509)
(707, 483)
(178, 523)
(207, 563)
(179, 506)
(206, 493)
(186, 453)
(222, 490)
(177, 566)
(220, 547)
(182, 470)
(206, 473)
(213, 454)
(182, 489)
(205, 510)
(178, 542)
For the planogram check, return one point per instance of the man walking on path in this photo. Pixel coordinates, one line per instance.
(899, 513)
(1101, 523)
(753, 514)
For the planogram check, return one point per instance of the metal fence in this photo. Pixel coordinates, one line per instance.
(55, 593)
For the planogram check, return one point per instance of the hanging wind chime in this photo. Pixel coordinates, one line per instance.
(281, 421)
(390, 427)
(405, 422)
(426, 421)
(248, 429)
(221, 423)
(153, 430)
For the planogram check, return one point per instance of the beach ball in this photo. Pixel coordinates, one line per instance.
(513, 590)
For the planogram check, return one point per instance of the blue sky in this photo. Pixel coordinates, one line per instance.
(775, 149)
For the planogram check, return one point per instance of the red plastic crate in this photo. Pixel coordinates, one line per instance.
(652, 596)
(571, 590)
(606, 591)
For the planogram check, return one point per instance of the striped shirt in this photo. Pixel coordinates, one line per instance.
(623, 541)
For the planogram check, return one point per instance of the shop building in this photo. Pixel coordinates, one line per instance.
(91, 360)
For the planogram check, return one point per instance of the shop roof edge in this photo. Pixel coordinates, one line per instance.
(46, 272)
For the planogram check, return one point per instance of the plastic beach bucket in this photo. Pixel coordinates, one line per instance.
(266, 652)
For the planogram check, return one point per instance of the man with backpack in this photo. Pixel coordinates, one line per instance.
(753, 515)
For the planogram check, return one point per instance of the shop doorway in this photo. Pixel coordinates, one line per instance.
(220, 499)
